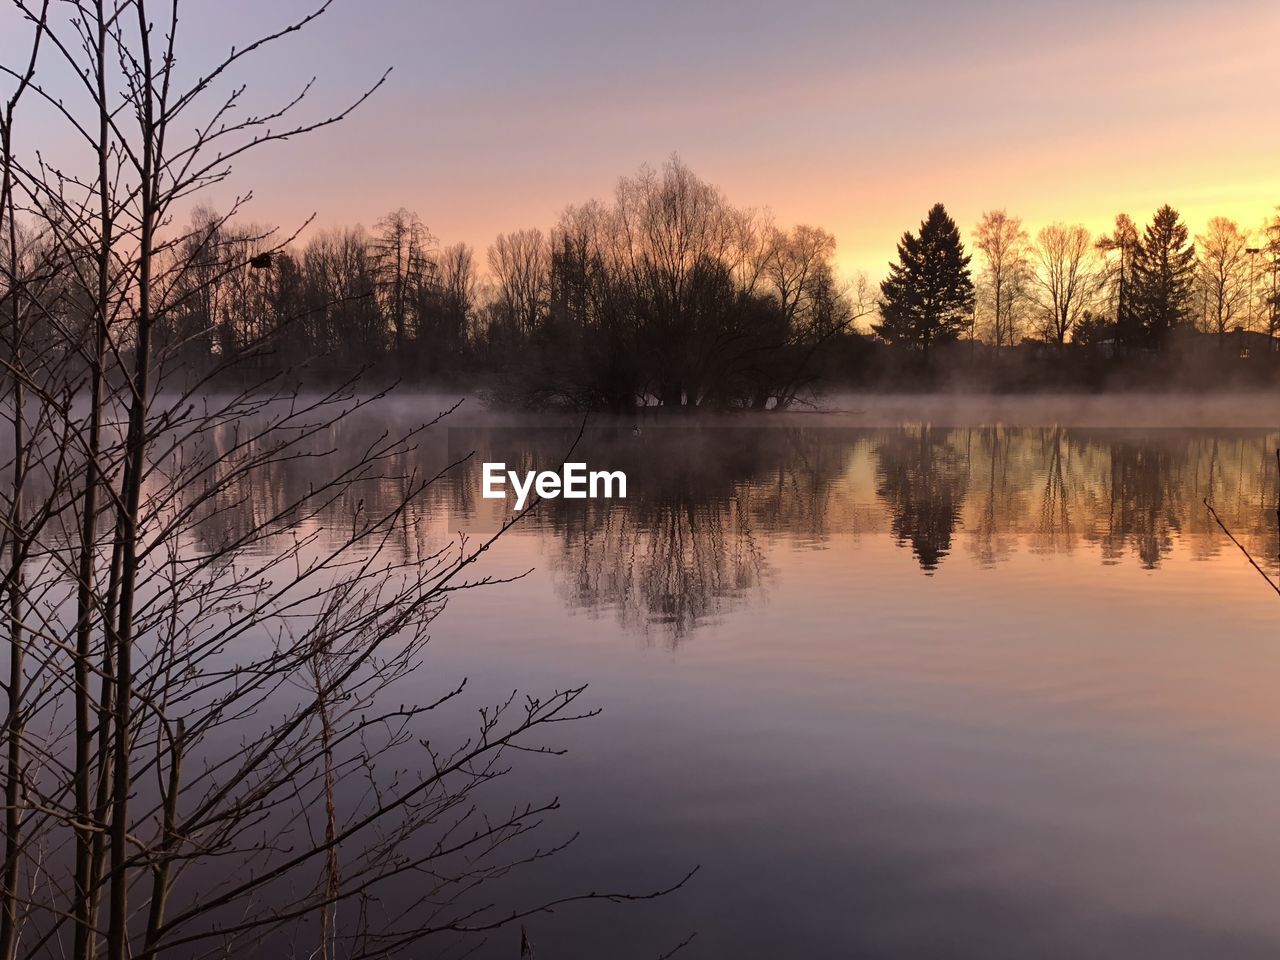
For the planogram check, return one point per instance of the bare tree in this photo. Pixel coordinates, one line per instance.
(1271, 234)
(1120, 247)
(338, 313)
(794, 262)
(21, 524)
(1223, 275)
(1003, 244)
(446, 325)
(1066, 277)
(519, 262)
(202, 738)
(402, 264)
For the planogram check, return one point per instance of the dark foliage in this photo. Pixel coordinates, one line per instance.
(928, 296)
(1163, 278)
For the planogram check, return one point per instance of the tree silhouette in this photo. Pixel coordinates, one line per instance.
(1164, 277)
(194, 668)
(401, 265)
(1223, 275)
(1066, 279)
(928, 297)
(1003, 243)
(1119, 277)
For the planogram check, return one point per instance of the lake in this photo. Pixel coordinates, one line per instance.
(912, 678)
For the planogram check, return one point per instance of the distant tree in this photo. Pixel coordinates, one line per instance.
(1271, 231)
(519, 262)
(285, 298)
(676, 237)
(1092, 330)
(793, 265)
(401, 261)
(341, 319)
(1003, 244)
(588, 353)
(667, 295)
(218, 304)
(194, 297)
(1121, 246)
(928, 296)
(1065, 278)
(799, 277)
(1222, 275)
(445, 308)
(1164, 272)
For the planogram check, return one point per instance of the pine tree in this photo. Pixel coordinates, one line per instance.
(928, 297)
(1163, 277)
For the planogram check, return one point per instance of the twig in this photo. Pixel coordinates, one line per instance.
(1247, 555)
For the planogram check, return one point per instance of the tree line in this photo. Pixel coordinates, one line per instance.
(667, 294)
(1134, 290)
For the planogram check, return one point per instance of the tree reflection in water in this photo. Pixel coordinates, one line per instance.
(710, 502)
(922, 479)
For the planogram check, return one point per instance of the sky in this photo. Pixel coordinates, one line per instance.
(854, 116)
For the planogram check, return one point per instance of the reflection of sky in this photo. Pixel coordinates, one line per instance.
(1049, 758)
(855, 116)
(1042, 756)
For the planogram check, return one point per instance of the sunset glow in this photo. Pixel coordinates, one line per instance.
(612, 479)
(854, 117)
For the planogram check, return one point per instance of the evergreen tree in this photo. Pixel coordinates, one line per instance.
(928, 297)
(1163, 277)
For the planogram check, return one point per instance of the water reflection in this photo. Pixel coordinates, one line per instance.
(923, 478)
(707, 503)
(955, 672)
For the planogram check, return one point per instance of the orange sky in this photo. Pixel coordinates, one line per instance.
(855, 116)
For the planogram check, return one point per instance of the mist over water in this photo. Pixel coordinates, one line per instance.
(908, 677)
(1115, 409)
(929, 607)
(1222, 408)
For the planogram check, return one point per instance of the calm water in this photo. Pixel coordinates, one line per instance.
(912, 688)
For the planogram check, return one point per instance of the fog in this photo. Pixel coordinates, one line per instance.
(1137, 409)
